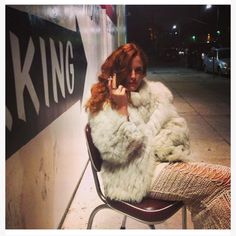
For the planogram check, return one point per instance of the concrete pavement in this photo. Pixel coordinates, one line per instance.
(204, 100)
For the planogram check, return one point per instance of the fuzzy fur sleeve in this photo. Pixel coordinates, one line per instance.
(172, 142)
(114, 136)
(168, 132)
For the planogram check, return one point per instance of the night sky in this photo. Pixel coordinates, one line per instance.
(158, 20)
(164, 15)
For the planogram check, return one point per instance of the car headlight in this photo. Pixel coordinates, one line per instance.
(224, 65)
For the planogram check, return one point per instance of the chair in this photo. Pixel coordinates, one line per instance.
(149, 211)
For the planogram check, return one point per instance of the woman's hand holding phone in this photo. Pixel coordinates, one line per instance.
(118, 95)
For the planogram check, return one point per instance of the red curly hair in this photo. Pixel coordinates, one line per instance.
(118, 62)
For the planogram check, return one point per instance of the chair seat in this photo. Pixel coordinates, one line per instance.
(150, 210)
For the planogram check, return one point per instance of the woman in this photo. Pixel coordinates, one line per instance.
(144, 143)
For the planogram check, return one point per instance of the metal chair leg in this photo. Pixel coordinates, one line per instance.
(94, 212)
(184, 217)
(123, 223)
(152, 226)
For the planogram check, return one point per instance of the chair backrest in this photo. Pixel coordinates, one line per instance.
(94, 154)
(96, 161)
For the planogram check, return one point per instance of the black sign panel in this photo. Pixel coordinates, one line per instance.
(45, 75)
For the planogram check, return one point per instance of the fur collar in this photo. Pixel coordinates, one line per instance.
(142, 97)
(149, 91)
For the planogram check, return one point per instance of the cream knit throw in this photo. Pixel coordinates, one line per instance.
(204, 188)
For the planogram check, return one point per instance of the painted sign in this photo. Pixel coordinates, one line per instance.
(45, 75)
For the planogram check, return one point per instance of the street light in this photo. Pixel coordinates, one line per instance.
(176, 30)
(208, 7)
(176, 36)
(208, 38)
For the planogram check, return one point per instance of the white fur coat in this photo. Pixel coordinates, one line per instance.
(131, 149)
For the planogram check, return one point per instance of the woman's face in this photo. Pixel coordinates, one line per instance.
(136, 75)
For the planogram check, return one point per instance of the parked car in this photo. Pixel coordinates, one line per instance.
(217, 61)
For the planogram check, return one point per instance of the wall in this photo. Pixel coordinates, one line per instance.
(43, 174)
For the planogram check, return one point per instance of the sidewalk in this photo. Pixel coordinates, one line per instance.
(204, 100)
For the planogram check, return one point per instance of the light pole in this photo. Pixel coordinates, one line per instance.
(217, 15)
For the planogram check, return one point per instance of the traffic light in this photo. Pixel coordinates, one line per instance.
(218, 32)
(193, 37)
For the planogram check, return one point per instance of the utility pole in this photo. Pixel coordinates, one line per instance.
(217, 17)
